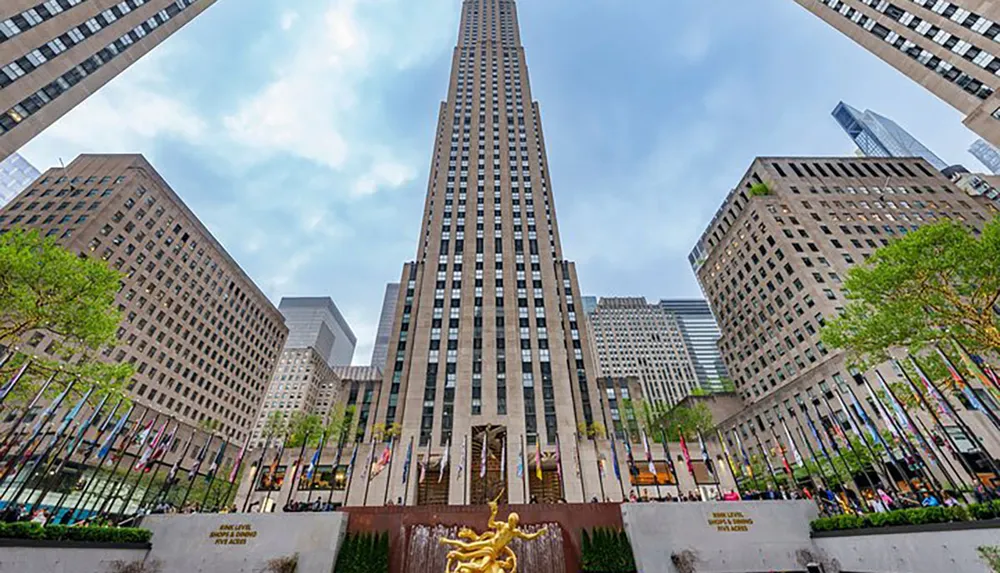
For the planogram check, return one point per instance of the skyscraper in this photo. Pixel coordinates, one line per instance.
(987, 154)
(879, 136)
(948, 46)
(589, 304)
(701, 335)
(643, 340)
(488, 343)
(316, 322)
(384, 332)
(15, 174)
(202, 337)
(54, 54)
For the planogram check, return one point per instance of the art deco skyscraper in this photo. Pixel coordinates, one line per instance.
(948, 46)
(55, 53)
(488, 335)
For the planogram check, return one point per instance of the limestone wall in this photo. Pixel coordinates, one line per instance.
(22, 556)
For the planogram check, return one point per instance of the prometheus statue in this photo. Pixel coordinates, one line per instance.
(487, 552)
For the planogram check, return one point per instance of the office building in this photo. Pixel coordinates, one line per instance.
(381, 350)
(987, 154)
(302, 383)
(15, 174)
(315, 322)
(589, 305)
(488, 343)
(701, 336)
(636, 338)
(772, 262)
(54, 54)
(949, 47)
(202, 337)
(879, 136)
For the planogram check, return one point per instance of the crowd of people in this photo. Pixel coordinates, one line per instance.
(19, 513)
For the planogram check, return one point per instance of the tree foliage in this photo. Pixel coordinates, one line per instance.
(303, 428)
(938, 281)
(46, 289)
(676, 421)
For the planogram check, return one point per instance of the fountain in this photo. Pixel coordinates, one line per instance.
(543, 555)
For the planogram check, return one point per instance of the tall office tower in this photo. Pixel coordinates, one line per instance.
(636, 338)
(381, 350)
(879, 136)
(202, 337)
(988, 155)
(948, 46)
(54, 54)
(771, 264)
(359, 388)
(316, 322)
(487, 338)
(15, 174)
(302, 383)
(701, 335)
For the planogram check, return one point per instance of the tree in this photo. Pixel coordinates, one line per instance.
(935, 282)
(382, 432)
(46, 289)
(275, 424)
(338, 423)
(676, 421)
(302, 427)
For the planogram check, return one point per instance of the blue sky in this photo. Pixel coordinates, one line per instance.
(301, 132)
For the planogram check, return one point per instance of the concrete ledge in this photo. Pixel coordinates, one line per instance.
(903, 529)
(50, 544)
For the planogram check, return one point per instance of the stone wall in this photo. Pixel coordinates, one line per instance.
(720, 537)
(23, 556)
(244, 543)
(938, 548)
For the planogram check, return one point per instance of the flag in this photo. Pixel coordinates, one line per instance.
(383, 460)
(649, 454)
(686, 454)
(705, 456)
(9, 387)
(85, 426)
(172, 474)
(791, 445)
(784, 458)
(47, 414)
(354, 458)
(314, 461)
(503, 458)
(201, 457)
(960, 380)
(423, 470)
(743, 451)
(558, 459)
(140, 464)
(444, 460)
(880, 408)
(408, 461)
(538, 458)
(482, 456)
(629, 458)
(465, 453)
(614, 458)
(815, 433)
(238, 461)
(520, 462)
(725, 452)
(110, 440)
(216, 462)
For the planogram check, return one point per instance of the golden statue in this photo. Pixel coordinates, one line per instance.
(487, 552)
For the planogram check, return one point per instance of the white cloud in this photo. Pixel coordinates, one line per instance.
(126, 116)
(383, 173)
(288, 19)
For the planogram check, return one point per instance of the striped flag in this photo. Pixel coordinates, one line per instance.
(193, 472)
(725, 452)
(791, 445)
(110, 440)
(461, 460)
(444, 460)
(140, 464)
(314, 461)
(239, 460)
(960, 381)
(705, 457)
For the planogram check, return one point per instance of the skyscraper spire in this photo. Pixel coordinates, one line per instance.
(489, 328)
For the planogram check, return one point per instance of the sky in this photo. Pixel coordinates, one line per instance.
(301, 132)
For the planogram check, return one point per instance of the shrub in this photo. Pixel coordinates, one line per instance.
(27, 530)
(606, 550)
(364, 553)
(915, 516)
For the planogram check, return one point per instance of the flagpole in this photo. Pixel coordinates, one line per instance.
(350, 471)
(524, 470)
(857, 422)
(6, 390)
(937, 420)
(193, 472)
(616, 466)
(235, 475)
(822, 447)
(406, 471)
(388, 474)
(958, 419)
(152, 449)
(670, 462)
(812, 452)
(297, 469)
(847, 438)
(85, 495)
(562, 472)
(600, 474)
(214, 471)
(767, 462)
(971, 396)
(427, 468)
(128, 437)
(7, 443)
(579, 465)
(124, 479)
(90, 451)
(368, 470)
(465, 470)
(256, 470)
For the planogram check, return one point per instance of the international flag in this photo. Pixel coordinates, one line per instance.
(110, 440)
(960, 381)
(520, 462)
(791, 445)
(172, 474)
(273, 470)
(465, 453)
(354, 458)
(614, 458)
(558, 459)
(444, 461)
(629, 458)
(140, 464)
(725, 452)
(408, 461)
(503, 458)
(704, 455)
(686, 454)
(815, 433)
(743, 452)
(239, 460)
(161, 449)
(314, 461)
(47, 414)
(367, 468)
(85, 426)
(216, 462)
(538, 458)
(423, 470)
(649, 454)
(193, 472)
(784, 458)
(384, 459)
(482, 456)
(883, 413)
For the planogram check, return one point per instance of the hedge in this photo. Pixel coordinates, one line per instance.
(28, 530)
(606, 550)
(915, 516)
(364, 553)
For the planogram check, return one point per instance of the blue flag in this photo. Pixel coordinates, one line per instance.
(409, 459)
(110, 440)
(614, 458)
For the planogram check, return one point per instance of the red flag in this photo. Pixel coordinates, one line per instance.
(687, 456)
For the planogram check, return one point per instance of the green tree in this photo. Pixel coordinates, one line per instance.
(302, 427)
(275, 425)
(338, 424)
(46, 289)
(686, 420)
(938, 281)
